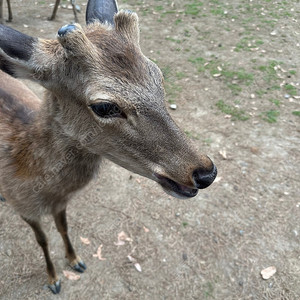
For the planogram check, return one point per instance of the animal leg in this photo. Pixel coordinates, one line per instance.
(73, 2)
(61, 224)
(54, 282)
(10, 16)
(54, 10)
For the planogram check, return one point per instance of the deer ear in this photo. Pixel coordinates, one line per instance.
(127, 23)
(16, 50)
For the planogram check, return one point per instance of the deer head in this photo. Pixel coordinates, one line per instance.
(98, 80)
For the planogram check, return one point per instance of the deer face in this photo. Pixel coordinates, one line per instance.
(105, 88)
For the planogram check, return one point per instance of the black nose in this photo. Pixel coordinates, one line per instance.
(203, 178)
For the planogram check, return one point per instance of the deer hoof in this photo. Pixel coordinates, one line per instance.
(66, 29)
(79, 267)
(55, 287)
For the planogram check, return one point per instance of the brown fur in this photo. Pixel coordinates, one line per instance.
(53, 148)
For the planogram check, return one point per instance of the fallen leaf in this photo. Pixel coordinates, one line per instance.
(138, 267)
(135, 263)
(98, 254)
(122, 238)
(268, 272)
(223, 153)
(218, 179)
(85, 240)
(70, 275)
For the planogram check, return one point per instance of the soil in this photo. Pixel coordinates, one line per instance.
(233, 70)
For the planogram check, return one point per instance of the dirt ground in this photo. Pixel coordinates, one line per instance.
(233, 70)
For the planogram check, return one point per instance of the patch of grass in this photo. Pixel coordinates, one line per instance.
(209, 290)
(275, 101)
(184, 224)
(296, 113)
(192, 135)
(171, 87)
(178, 21)
(270, 116)
(173, 40)
(291, 89)
(292, 72)
(269, 71)
(247, 44)
(207, 141)
(236, 114)
(159, 8)
(193, 8)
(180, 75)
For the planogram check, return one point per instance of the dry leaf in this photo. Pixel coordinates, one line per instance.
(85, 240)
(135, 263)
(71, 276)
(268, 272)
(146, 229)
(138, 267)
(218, 179)
(223, 153)
(122, 238)
(98, 254)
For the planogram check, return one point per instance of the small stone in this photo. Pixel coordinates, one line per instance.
(217, 75)
(184, 256)
(273, 32)
(287, 96)
(252, 96)
(268, 272)
(177, 214)
(8, 252)
(173, 106)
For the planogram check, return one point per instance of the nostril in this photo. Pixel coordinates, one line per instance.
(203, 178)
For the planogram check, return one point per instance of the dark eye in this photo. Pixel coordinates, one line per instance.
(107, 110)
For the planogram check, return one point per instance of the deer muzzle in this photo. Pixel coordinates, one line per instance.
(201, 178)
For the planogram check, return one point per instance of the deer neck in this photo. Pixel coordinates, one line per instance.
(45, 147)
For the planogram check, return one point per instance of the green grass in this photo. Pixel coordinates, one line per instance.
(291, 89)
(192, 135)
(171, 87)
(185, 224)
(247, 44)
(275, 101)
(193, 8)
(270, 116)
(269, 73)
(234, 79)
(236, 114)
(296, 113)
(180, 75)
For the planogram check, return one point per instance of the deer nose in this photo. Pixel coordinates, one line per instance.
(203, 178)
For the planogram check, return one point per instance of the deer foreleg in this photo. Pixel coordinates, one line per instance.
(54, 283)
(54, 10)
(10, 16)
(73, 2)
(61, 224)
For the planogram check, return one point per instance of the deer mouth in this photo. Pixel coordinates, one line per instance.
(175, 189)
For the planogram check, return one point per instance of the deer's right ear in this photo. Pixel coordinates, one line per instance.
(16, 50)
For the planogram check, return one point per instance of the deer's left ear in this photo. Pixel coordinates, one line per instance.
(127, 23)
(16, 50)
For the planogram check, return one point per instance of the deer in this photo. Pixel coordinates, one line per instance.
(51, 18)
(104, 100)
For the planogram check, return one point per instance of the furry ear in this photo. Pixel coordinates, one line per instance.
(75, 43)
(127, 23)
(16, 50)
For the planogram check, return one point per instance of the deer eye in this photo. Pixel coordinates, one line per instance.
(107, 110)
